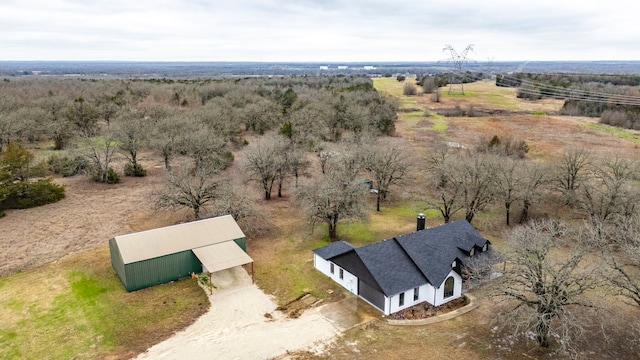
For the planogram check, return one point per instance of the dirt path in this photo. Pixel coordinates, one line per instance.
(236, 327)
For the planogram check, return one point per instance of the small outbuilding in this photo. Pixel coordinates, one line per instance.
(162, 255)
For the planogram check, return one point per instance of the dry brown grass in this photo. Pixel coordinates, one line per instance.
(93, 213)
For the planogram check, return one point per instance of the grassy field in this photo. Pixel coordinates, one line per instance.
(77, 308)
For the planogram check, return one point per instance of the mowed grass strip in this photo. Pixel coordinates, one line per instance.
(85, 313)
(617, 132)
(389, 85)
(394, 87)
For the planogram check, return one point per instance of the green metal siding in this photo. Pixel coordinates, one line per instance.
(242, 242)
(161, 270)
(117, 262)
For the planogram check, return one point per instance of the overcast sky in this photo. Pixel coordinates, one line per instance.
(318, 30)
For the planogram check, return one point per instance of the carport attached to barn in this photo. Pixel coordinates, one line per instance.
(166, 254)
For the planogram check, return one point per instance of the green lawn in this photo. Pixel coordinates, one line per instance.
(77, 308)
(618, 132)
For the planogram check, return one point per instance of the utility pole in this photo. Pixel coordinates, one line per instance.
(457, 61)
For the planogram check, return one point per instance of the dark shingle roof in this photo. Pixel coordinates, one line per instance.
(413, 259)
(333, 249)
(434, 250)
(390, 266)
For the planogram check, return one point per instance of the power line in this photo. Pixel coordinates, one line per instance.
(530, 87)
(458, 60)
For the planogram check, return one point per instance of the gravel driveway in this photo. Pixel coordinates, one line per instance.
(235, 327)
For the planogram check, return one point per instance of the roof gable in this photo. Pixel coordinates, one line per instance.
(172, 239)
(433, 250)
(351, 262)
(333, 249)
(391, 266)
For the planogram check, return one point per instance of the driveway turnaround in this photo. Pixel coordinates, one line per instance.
(235, 327)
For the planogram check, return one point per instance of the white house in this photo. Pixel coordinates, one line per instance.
(398, 273)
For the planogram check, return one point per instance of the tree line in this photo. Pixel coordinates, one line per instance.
(90, 123)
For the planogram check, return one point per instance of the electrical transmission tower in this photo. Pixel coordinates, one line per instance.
(457, 61)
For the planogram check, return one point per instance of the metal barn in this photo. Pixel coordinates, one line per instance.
(170, 253)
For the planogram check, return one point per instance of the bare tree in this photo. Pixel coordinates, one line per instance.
(507, 183)
(189, 188)
(543, 283)
(298, 164)
(266, 162)
(571, 172)
(535, 178)
(8, 130)
(206, 148)
(132, 132)
(84, 116)
(260, 115)
(168, 136)
(388, 166)
(335, 196)
(324, 157)
(57, 125)
(619, 237)
(101, 151)
(611, 190)
(237, 203)
(626, 272)
(442, 175)
(477, 174)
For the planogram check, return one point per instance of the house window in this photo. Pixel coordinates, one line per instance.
(485, 247)
(416, 294)
(332, 268)
(401, 299)
(341, 274)
(472, 251)
(448, 287)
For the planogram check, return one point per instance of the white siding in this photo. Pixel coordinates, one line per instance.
(348, 281)
(457, 290)
(425, 293)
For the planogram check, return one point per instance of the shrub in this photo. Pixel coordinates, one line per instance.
(506, 146)
(138, 171)
(529, 92)
(409, 88)
(112, 177)
(465, 300)
(435, 97)
(226, 159)
(401, 78)
(429, 84)
(494, 142)
(66, 166)
(31, 194)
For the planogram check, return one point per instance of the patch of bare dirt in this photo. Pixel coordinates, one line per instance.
(426, 310)
(87, 218)
(296, 307)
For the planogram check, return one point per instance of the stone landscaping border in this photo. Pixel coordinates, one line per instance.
(473, 304)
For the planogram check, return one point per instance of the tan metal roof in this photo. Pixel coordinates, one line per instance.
(172, 239)
(222, 256)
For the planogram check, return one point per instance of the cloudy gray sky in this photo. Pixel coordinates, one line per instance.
(317, 30)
